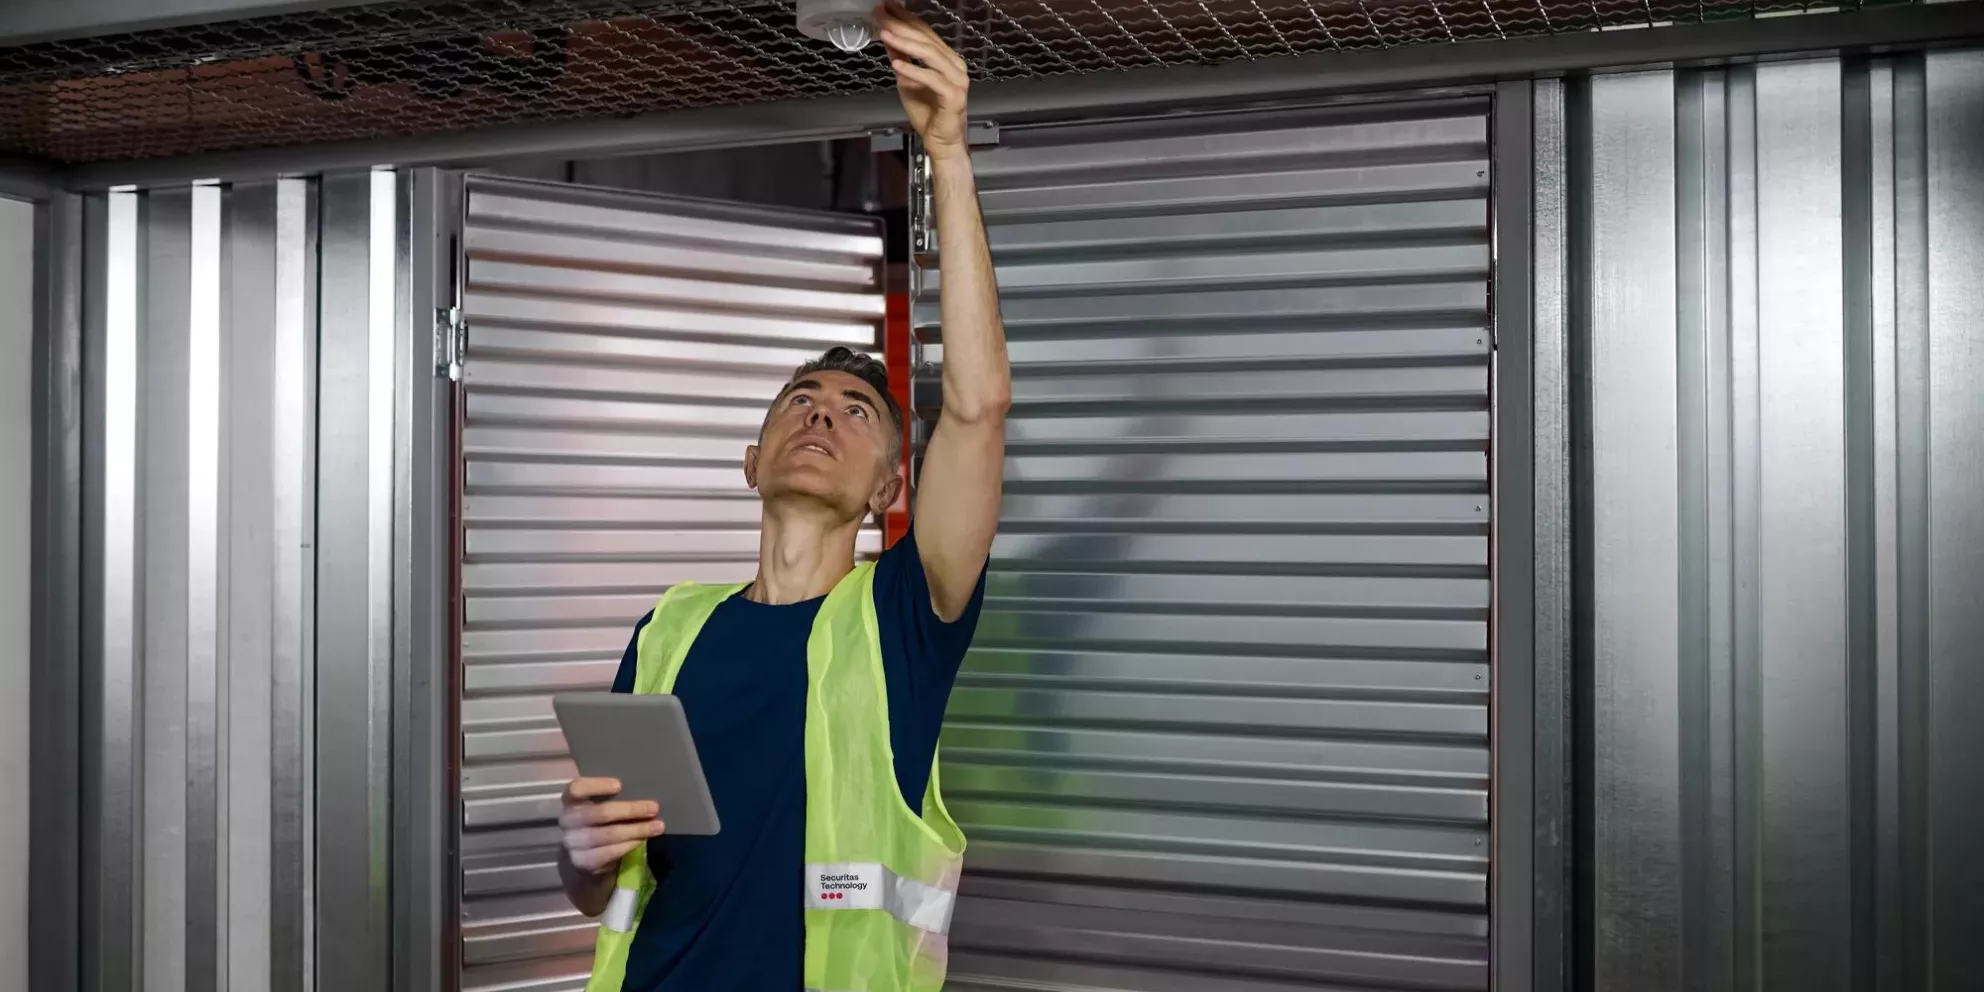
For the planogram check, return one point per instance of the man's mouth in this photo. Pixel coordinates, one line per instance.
(815, 446)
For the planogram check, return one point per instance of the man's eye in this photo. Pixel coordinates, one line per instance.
(856, 411)
(798, 400)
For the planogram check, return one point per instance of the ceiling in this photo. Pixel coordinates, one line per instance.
(386, 70)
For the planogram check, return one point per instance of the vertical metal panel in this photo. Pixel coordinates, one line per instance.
(426, 804)
(1862, 482)
(55, 690)
(350, 758)
(1955, 119)
(385, 242)
(1801, 603)
(205, 723)
(1879, 329)
(292, 652)
(164, 385)
(1631, 463)
(623, 351)
(1522, 814)
(1744, 506)
(1225, 719)
(1825, 347)
(1552, 507)
(248, 470)
(21, 267)
(1912, 522)
(1702, 415)
(110, 533)
(1514, 815)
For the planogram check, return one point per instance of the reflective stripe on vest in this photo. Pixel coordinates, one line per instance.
(621, 915)
(857, 885)
(852, 885)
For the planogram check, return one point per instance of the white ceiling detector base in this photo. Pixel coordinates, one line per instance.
(848, 24)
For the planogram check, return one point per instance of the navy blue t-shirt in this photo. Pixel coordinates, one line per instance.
(729, 911)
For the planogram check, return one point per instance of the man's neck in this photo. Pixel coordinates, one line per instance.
(802, 553)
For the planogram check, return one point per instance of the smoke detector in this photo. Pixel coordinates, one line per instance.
(848, 24)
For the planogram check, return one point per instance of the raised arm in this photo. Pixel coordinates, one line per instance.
(957, 496)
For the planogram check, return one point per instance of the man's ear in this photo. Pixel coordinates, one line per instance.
(886, 496)
(751, 465)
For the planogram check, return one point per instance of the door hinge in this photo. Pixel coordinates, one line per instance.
(450, 343)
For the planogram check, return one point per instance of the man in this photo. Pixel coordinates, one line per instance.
(815, 693)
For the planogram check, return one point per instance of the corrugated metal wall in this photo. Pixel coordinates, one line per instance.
(623, 351)
(238, 357)
(1225, 721)
(1773, 321)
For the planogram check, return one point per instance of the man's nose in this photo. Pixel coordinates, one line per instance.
(820, 418)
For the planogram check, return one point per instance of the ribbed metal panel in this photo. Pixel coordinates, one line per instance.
(623, 350)
(234, 525)
(1774, 272)
(1225, 722)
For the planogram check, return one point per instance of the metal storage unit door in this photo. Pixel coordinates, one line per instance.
(623, 349)
(1225, 721)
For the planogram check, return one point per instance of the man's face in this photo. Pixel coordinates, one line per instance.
(827, 440)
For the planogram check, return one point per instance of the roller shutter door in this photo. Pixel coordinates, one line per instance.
(622, 352)
(1225, 723)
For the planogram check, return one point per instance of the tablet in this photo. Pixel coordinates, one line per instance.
(642, 740)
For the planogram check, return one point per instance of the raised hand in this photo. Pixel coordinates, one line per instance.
(930, 78)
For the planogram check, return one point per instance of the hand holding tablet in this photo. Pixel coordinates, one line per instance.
(597, 834)
(638, 770)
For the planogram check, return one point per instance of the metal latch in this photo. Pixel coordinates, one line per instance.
(922, 197)
(450, 343)
(922, 232)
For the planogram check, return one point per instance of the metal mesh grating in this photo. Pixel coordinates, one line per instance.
(394, 69)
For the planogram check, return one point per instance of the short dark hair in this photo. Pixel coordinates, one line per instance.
(869, 370)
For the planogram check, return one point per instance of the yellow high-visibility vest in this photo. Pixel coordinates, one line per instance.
(881, 879)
